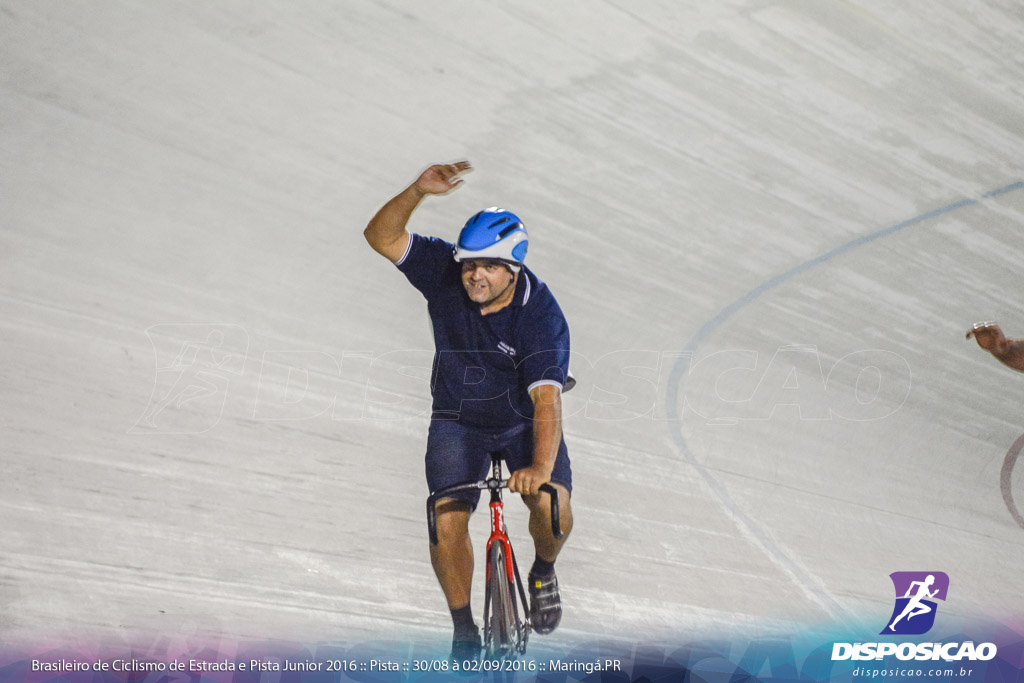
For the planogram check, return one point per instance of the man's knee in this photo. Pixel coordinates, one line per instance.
(452, 520)
(541, 502)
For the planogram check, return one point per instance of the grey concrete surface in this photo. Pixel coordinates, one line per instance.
(769, 223)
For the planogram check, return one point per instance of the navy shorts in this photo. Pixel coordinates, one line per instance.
(457, 454)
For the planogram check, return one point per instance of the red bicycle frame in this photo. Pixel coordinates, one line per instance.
(498, 528)
(494, 484)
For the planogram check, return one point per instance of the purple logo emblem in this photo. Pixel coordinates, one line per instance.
(916, 593)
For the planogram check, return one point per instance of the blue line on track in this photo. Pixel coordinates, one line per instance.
(676, 376)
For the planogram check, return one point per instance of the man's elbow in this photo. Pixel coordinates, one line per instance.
(369, 234)
(377, 243)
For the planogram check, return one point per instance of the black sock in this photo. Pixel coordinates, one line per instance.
(542, 567)
(463, 620)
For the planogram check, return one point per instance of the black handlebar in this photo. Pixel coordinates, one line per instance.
(492, 485)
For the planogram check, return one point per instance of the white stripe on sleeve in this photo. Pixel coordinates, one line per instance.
(542, 382)
(408, 246)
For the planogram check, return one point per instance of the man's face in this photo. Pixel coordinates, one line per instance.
(485, 280)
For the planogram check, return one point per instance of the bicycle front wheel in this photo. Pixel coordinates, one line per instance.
(502, 624)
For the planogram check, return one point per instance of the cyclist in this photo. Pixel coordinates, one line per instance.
(500, 364)
(990, 337)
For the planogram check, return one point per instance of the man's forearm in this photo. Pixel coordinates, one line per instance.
(1013, 356)
(388, 225)
(547, 433)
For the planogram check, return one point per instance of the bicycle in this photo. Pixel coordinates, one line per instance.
(505, 632)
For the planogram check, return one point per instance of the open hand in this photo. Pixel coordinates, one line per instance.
(987, 334)
(442, 178)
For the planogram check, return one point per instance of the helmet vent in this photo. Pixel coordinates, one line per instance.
(508, 229)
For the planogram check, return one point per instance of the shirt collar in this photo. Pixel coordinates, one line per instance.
(523, 289)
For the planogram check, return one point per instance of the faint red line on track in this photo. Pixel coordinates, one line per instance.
(1005, 476)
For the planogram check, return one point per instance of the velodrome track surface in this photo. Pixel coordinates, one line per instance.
(768, 222)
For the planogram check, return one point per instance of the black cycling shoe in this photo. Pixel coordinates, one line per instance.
(545, 603)
(467, 646)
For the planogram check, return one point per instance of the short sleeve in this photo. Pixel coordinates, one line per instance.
(425, 262)
(544, 344)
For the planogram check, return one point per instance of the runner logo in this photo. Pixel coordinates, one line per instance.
(912, 615)
(916, 592)
(195, 365)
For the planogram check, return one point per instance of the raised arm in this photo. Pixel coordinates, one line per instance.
(990, 337)
(386, 231)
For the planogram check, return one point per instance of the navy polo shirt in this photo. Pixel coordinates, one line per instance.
(485, 365)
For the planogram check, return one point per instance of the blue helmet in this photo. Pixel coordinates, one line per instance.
(493, 233)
